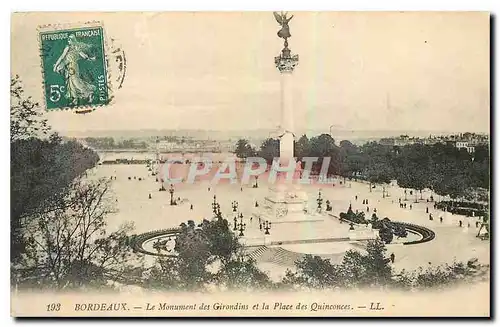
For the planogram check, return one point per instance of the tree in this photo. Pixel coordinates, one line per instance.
(370, 269)
(207, 254)
(313, 272)
(193, 257)
(269, 150)
(377, 265)
(25, 115)
(42, 172)
(164, 274)
(386, 234)
(223, 243)
(242, 274)
(244, 149)
(324, 146)
(379, 173)
(42, 168)
(70, 248)
(302, 147)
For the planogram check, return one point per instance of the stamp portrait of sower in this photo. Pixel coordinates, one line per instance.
(74, 68)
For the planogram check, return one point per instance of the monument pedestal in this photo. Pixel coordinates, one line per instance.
(286, 204)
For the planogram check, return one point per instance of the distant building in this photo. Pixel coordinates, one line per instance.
(468, 141)
(465, 145)
(387, 141)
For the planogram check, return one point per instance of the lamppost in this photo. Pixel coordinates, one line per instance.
(171, 191)
(219, 213)
(267, 227)
(234, 204)
(214, 206)
(320, 201)
(241, 225)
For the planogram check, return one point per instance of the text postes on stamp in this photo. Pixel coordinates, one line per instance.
(74, 68)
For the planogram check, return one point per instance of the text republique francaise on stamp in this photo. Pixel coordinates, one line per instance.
(75, 74)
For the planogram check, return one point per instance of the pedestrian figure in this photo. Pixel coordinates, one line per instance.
(405, 205)
(399, 200)
(367, 209)
(256, 204)
(150, 195)
(477, 224)
(393, 257)
(366, 201)
(260, 226)
(441, 220)
(426, 209)
(363, 201)
(251, 218)
(375, 210)
(430, 217)
(410, 206)
(241, 189)
(459, 223)
(468, 225)
(208, 189)
(191, 207)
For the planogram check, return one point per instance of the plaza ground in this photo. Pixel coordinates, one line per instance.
(451, 242)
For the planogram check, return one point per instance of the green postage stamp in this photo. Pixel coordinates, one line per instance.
(74, 67)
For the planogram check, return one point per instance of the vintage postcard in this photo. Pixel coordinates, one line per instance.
(250, 164)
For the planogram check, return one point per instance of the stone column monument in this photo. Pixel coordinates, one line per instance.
(286, 203)
(286, 63)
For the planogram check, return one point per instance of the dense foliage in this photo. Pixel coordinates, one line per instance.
(208, 254)
(58, 217)
(440, 167)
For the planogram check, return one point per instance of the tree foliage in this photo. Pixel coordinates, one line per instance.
(59, 238)
(208, 254)
(69, 247)
(244, 149)
(25, 115)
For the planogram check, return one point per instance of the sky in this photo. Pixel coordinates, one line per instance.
(357, 70)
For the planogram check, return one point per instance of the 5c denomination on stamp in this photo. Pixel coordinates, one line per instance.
(74, 67)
